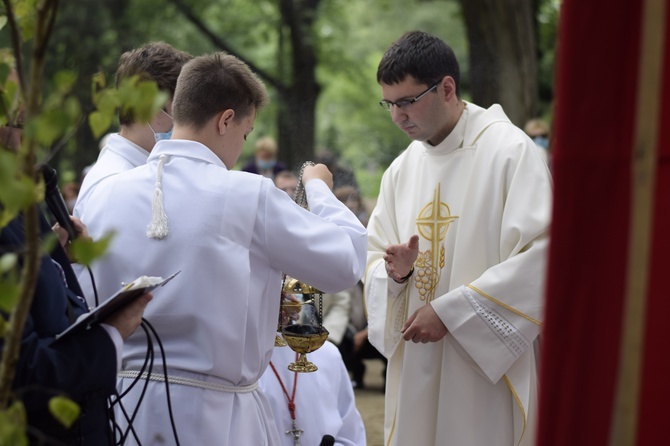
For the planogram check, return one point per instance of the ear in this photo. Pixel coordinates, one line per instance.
(225, 119)
(168, 106)
(449, 87)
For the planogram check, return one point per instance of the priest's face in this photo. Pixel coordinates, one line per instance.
(421, 111)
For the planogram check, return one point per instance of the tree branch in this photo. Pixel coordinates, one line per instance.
(45, 13)
(16, 44)
(222, 45)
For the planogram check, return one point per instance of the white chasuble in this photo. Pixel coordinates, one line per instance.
(480, 202)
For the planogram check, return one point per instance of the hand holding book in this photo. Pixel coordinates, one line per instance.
(124, 309)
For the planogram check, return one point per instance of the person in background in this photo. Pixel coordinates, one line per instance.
(231, 234)
(70, 191)
(265, 159)
(155, 61)
(457, 254)
(538, 130)
(307, 406)
(342, 176)
(351, 197)
(287, 181)
(355, 345)
(336, 309)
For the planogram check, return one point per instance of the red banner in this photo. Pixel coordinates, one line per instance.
(604, 375)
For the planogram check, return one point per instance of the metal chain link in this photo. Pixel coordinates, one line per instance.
(300, 196)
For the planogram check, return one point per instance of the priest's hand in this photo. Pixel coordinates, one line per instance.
(400, 259)
(424, 326)
(318, 171)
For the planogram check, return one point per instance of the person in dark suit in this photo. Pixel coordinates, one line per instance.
(83, 366)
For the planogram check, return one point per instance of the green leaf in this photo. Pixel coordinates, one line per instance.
(7, 215)
(143, 98)
(3, 21)
(18, 194)
(86, 251)
(64, 410)
(5, 69)
(10, 291)
(72, 109)
(107, 101)
(8, 262)
(99, 80)
(49, 126)
(99, 123)
(64, 80)
(13, 425)
(9, 165)
(49, 242)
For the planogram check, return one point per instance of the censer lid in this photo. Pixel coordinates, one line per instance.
(294, 286)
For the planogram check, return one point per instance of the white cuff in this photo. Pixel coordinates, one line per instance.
(118, 343)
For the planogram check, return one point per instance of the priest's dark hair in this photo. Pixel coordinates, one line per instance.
(423, 56)
(213, 83)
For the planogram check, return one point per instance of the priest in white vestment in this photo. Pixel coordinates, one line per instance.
(323, 401)
(458, 242)
(231, 234)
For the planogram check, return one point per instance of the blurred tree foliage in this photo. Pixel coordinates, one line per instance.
(39, 115)
(347, 39)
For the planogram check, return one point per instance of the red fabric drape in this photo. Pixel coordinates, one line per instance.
(592, 149)
(655, 392)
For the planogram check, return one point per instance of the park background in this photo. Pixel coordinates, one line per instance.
(604, 368)
(318, 59)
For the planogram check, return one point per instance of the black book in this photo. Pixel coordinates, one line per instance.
(121, 298)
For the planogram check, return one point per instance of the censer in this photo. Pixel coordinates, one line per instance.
(302, 316)
(301, 310)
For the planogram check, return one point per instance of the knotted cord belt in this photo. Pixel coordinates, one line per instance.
(207, 385)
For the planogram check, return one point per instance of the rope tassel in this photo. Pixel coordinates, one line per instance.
(158, 228)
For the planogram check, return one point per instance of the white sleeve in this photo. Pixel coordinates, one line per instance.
(386, 300)
(336, 314)
(352, 431)
(118, 343)
(324, 247)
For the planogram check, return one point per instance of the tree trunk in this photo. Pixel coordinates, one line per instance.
(297, 88)
(503, 55)
(296, 120)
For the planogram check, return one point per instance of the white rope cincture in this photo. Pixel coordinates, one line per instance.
(207, 385)
(158, 228)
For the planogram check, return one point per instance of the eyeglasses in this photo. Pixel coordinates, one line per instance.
(405, 103)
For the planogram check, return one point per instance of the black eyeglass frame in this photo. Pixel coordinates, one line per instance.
(402, 104)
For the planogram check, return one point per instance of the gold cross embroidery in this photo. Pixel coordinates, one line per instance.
(432, 224)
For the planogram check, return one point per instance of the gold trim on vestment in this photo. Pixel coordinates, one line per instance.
(643, 156)
(518, 401)
(395, 416)
(504, 305)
